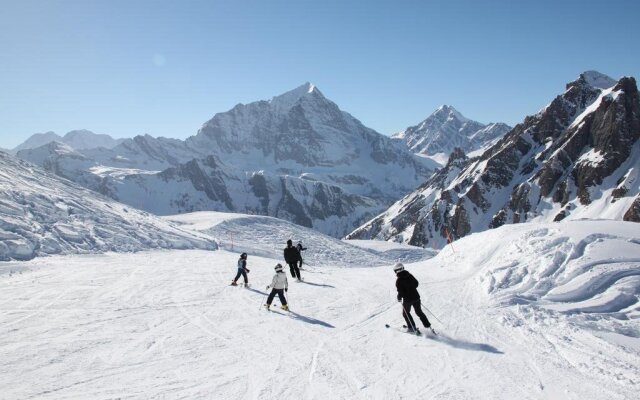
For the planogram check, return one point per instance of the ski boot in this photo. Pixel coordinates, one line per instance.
(267, 306)
(285, 307)
(234, 283)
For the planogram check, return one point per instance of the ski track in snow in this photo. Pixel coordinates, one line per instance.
(517, 305)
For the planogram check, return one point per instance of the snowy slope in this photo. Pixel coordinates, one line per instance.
(446, 129)
(267, 237)
(42, 214)
(577, 158)
(529, 311)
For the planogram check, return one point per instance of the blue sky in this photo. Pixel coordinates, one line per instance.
(165, 67)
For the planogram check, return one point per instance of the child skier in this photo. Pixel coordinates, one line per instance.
(278, 286)
(407, 287)
(300, 250)
(242, 270)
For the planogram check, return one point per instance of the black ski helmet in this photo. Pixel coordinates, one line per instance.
(243, 256)
(289, 242)
(278, 268)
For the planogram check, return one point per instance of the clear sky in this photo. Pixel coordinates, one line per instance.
(165, 67)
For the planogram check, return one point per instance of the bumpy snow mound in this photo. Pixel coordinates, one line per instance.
(587, 267)
(267, 236)
(42, 214)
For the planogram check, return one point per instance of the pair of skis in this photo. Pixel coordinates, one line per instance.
(416, 332)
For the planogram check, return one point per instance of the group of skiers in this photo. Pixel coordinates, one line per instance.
(406, 285)
(279, 284)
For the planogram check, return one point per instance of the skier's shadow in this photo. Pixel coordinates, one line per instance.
(318, 284)
(310, 320)
(257, 291)
(461, 344)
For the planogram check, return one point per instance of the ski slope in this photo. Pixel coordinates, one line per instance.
(529, 311)
(267, 237)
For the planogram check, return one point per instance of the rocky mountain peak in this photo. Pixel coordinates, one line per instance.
(287, 100)
(448, 112)
(592, 80)
(575, 159)
(445, 129)
(598, 80)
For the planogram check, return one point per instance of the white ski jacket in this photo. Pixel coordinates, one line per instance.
(280, 281)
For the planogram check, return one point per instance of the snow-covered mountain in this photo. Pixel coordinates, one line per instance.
(296, 157)
(42, 214)
(78, 140)
(37, 140)
(446, 129)
(577, 158)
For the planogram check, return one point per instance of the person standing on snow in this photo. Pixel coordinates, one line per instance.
(300, 250)
(242, 270)
(408, 294)
(278, 286)
(291, 257)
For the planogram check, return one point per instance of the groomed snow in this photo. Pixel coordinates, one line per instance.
(528, 311)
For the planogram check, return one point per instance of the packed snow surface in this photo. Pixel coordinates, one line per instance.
(528, 311)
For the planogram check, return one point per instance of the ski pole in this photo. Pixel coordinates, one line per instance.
(262, 302)
(429, 311)
(407, 317)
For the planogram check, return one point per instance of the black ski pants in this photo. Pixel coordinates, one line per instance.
(242, 272)
(280, 293)
(295, 270)
(406, 307)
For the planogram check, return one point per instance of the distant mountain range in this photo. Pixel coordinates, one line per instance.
(78, 139)
(446, 129)
(577, 158)
(297, 157)
(300, 158)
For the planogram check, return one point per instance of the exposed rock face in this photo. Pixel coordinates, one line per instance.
(577, 158)
(446, 129)
(633, 213)
(297, 157)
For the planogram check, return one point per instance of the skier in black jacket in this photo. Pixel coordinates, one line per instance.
(407, 287)
(291, 257)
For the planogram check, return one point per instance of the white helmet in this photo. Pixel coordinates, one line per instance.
(278, 268)
(398, 267)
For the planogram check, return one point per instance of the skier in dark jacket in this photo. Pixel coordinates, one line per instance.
(291, 257)
(242, 270)
(408, 294)
(300, 250)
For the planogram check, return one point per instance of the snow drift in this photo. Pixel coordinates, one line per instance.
(42, 214)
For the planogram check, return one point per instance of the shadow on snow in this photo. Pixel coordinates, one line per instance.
(318, 284)
(462, 344)
(310, 320)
